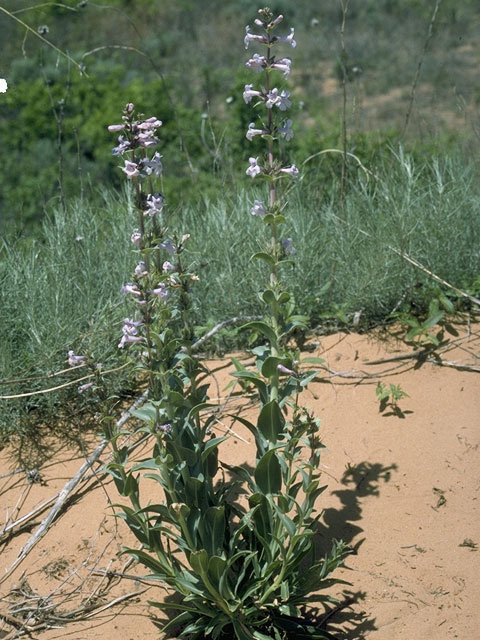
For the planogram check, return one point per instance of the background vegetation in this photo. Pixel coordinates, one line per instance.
(65, 220)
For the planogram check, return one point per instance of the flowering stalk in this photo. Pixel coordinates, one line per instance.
(274, 101)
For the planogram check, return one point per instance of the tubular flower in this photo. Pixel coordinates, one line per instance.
(136, 237)
(154, 204)
(146, 139)
(287, 244)
(288, 39)
(168, 246)
(140, 270)
(127, 339)
(74, 360)
(152, 166)
(151, 124)
(286, 131)
(161, 290)
(123, 145)
(254, 169)
(130, 288)
(280, 100)
(131, 169)
(253, 132)
(249, 93)
(258, 209)
(256, 62)
(291, 171)
(249, 37)
(84, 387)
(284, 65)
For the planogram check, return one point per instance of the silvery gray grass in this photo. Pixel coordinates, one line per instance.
(239, 568)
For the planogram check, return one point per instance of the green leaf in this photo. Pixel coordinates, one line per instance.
(307, 377)
(261, 327)
(255, 379)
(268, 473)
(283, 297)
(312, 360)
(147, 413)
(271, 421)
(212, 529)
(269, 367)
(262, 517)
(241, 631)
(431, 321)
(266, 257)
(268, 296)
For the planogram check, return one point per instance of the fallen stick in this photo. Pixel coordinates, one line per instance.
(41, 507)
(67, 490)
(220, 326)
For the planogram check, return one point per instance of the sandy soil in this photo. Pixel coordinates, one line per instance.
(403, 491)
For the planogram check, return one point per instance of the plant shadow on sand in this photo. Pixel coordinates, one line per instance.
(362, 480)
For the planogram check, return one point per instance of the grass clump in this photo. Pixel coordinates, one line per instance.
(62, 290)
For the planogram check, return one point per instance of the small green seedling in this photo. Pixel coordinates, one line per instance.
(390, 396)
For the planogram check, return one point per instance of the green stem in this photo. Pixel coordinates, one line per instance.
(274, 381)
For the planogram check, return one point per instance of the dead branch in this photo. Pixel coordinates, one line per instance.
(62, 386)
(67, 490)
(220, 326)
(454, 365)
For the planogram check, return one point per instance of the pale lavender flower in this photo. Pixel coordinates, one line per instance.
(249, 37)
(280, 100)
(254, 169)
(3, 85)
(291, 171)
(131, 169)
(277, 20)
(284, 65)
(287, 244)
(84, 387)
(154, 203)
(168, 266)
(136, 237)
(249, 93)
(256, 62)
(282, 369)
(258, 209)
(127, 339)
(168, 246)
(123, 145)
(253, 132)
(286, 131)
(116, 127)
(152, 166)
(165, 428)
(150, 124)
(140, 270)
(130, 327)
(288, 39)
(74, 360)
(130, 288)
(161, 290)
(146, 139)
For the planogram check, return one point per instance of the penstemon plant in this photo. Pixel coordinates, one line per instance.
(244, 572)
